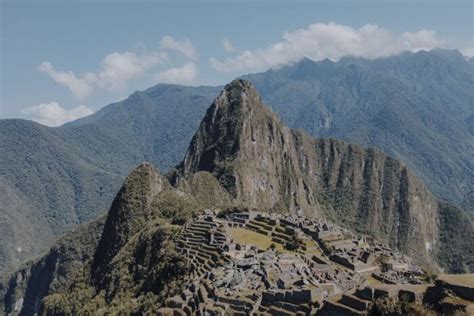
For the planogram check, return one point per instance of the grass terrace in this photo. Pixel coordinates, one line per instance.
(312, 247)
(249, 237)
(458, 279)
(246, 236)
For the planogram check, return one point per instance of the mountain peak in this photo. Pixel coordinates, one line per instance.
(265, 165)
(238, 93)
(244, 145)
(239, 85)
(229, 123)
(130, 210)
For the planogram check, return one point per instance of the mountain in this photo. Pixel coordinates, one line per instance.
(362, 189)
(92, 261)
(417, 107)
(53, 179)
(241, 157)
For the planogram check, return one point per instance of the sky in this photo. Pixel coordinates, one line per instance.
(62, 60)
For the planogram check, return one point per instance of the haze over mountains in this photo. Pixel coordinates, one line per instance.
(415, 107)
(131, 264)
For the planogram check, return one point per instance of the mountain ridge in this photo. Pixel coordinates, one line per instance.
(349, 100)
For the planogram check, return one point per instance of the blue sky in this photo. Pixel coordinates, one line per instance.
(64, 59)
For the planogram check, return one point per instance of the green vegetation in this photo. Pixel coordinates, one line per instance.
(295, 243)
(457, 240)
(416, 107)
(132, 264)
(61, 177)
(458, 279)
(175, 208)
(249, 237)
(401, 307)
(128, 265)
(146, 270)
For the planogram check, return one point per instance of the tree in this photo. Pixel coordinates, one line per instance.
(295, 243)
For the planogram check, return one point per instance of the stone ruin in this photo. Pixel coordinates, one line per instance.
(331, 272)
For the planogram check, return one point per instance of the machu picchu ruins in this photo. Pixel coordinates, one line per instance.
(255, 263)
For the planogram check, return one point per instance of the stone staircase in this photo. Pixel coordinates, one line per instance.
(201, 242)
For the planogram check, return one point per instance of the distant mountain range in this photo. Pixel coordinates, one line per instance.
(241, 157)
(417, 107)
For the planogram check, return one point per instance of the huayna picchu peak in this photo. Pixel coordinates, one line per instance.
(264, 164)
(259, 219)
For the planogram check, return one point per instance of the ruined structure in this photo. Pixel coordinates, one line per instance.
(246, 263)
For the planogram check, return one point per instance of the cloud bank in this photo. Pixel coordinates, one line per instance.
(52, 114)
(468, 51)
(115, 71)
(331, 40)
(119, 68)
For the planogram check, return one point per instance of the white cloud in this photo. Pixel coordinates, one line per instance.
(119, 68)
(333, 41)
(468, 51)
(228, 47)
(415, 41)
(114, 73)
(52, 114)
(184, 46)
(79, 86)
(179, 75)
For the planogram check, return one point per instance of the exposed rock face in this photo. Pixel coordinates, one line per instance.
(204, 187)
(248, 149)
(265, 165)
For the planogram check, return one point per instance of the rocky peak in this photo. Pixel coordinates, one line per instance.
(130, 211)
(239, 94)
(247, 148)
(265, 165)
(229, 123)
